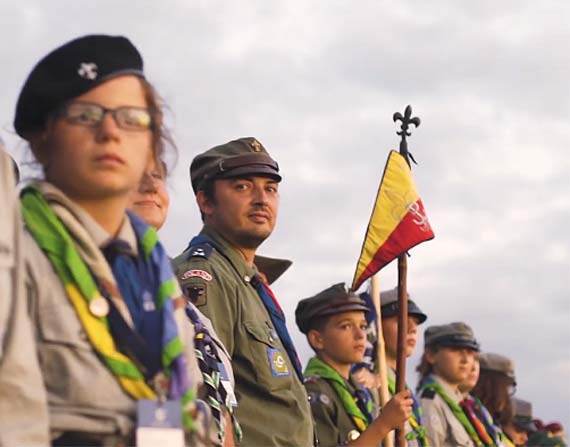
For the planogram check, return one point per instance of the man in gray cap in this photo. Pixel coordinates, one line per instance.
(449, 354)
(335, 326)
(236, 186)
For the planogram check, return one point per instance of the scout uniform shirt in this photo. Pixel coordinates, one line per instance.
(443, 427)
(333, 424)
(272, 404)
(83, 394)
(23, 403)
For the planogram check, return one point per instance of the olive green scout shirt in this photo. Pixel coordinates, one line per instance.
(273, 407)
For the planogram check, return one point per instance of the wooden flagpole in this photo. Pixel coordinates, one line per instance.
(406, 120)
(381, 352)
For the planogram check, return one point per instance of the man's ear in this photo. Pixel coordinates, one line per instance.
(204, 203)
(315, 339)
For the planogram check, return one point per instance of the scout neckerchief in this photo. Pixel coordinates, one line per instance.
(430, 384)
(418, 431)
(480, 419)
(359, 407)
(209, 362)
(507, 441)
(75, 272)
(269, 302)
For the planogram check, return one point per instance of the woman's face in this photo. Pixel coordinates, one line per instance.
(390, 333)
(150, 200)
(451, 364)
(100, 162)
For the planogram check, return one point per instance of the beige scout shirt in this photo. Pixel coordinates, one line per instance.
(273, 408)
(443, 427)
(83, 394)
(23, 402)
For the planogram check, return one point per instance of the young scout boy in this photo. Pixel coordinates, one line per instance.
(449, 354)
(334, 323)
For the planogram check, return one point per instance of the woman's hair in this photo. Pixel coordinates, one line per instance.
(425, 368)
(492, 389)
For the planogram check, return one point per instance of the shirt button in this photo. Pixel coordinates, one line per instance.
(246, 278)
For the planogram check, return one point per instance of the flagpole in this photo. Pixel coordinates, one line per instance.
(381, 352)
(406, 120)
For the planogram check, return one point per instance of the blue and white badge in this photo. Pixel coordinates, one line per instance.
(277, 363)
(159, 423)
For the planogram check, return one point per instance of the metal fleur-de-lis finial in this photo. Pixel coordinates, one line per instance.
(404, 132)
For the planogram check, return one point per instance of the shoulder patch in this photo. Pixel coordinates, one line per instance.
(196, 293)
(311, 379)
(428, 393)
(193, 273)
(203, 250)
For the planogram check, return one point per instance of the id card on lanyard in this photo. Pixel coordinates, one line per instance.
(159, 423)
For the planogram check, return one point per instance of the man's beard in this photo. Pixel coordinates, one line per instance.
(251, 240)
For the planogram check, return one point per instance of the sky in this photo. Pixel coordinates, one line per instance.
(317, 82)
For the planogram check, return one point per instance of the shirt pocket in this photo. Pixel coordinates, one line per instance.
(272, 367)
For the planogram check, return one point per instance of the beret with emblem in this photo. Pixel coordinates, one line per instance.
(334, 300)
(71, 70)
(241, 157)
(453, 335)
(495, 362)
(390, 306)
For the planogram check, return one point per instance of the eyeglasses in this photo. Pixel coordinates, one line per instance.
(92, 115)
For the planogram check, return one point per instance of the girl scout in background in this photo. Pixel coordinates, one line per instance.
(150, 201)
(447, 360)
(334, 323)
(111, 339)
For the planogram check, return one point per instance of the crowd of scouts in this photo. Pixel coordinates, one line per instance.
(106, 341)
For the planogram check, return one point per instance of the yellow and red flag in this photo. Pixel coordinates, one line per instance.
(398, 221)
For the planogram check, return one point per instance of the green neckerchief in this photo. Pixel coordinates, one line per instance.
(321, 369)
(431, 384)
(418, 431)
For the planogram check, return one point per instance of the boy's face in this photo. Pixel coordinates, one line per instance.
(390, 332)
(343, 339)
(452, 364)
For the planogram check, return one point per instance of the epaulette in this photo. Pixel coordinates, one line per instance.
(311, 378)
(203, 250)
(428, 393)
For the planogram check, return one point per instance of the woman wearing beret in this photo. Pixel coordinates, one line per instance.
(112, 339)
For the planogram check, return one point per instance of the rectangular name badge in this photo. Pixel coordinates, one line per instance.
(159, 423)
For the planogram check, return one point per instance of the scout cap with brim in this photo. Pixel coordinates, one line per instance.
(522, 415)
(453, 335)
(390, 306)
(489, 361)
(242, 157)
(69, 71)
(334, 300)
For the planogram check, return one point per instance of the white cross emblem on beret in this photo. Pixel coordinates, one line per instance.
(88, 70)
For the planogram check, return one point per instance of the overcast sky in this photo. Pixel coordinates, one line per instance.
(317, 83)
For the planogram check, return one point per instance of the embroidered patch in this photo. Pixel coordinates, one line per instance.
(277, 363)
(196, 273)
(196, 293)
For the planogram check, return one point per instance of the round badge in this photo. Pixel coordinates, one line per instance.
(99, 306)
(352, 435)
(324, 399)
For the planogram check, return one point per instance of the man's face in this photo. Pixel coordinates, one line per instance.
(452, 364)
(243, 209)
(390, 332)
(343, 339)
(518, 436)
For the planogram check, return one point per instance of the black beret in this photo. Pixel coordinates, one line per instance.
(334, 300)
(244, 156)
(71, 70)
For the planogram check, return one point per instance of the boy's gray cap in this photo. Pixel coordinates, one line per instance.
(241, 157)
(495, 362)
(453, 335)
(522, 416)
(390, 306)
(334, 300)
